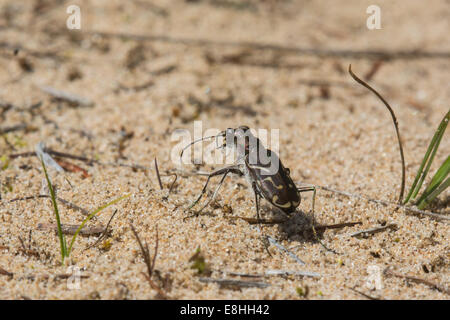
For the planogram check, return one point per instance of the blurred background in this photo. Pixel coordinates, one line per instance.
(111, 80)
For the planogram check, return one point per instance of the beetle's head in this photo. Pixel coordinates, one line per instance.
(237, 138)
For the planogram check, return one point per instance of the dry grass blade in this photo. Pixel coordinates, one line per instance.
(157, 174)
(66, 96)
(172, 184)
(439, 287)
(67, 166)
(374, 230)
(257, 221)
(22, 126)
(365, 294)
(71, 229)
(67, 203)
(338, 225)
(102, 236)
(53, 153)
(387, 203)
(344, 53)
(149, 262)
(373, 70)
(282, 248)
(283, 220)
(292, 273)
(394, 119)
(5, 273)
(235, 283)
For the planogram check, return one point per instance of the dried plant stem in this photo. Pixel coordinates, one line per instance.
(345, 53)
(433, 285)
(387, 203)
(149, 262)
(394, 119)
(157, 174)
(237, 283)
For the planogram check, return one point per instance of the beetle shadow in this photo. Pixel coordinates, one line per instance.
(296, 226)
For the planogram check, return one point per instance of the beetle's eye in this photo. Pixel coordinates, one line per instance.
(288, 171)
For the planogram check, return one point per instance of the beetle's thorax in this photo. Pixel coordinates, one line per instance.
(244, 144)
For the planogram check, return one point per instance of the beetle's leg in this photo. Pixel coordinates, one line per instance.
(214, 194)
(219, 172)
(313, 189)
(257, 199)
(224, 172)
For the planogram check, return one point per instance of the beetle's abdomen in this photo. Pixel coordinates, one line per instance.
(278, 188)
(281, 195)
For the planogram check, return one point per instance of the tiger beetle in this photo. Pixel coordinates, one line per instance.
(276, 186)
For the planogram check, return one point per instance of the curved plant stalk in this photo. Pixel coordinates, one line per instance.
(394, 119)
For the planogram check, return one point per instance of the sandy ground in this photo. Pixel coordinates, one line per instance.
(332, 133)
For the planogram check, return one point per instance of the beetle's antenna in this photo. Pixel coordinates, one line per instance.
(195, 141)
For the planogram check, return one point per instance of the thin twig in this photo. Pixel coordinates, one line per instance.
(374, 230)
(394, 119)
(282, 248)
(5, 273)
(67, 166)
(345, 53)
(157, 174)
(80, 158)
(22, 126)
(240, 274)
(171, 185)
(53, 153)
(61, 276)
(326, 83)
(338, 225)
(236, 283)
(67, 203)
(292, 273)
(104, 233)
(433, 285)
(373, 70)
(66, 96)
(27, 249)
(364, 294)
(149, 262)
(256, 221)
(270, 273)
(72, 229)
(387, 203)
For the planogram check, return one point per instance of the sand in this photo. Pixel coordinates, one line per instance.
(338, 135)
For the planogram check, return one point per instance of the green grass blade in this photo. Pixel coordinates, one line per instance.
(428, 159)
(62, 239)
(90, 216)
(440, 175)
(436, 181)
(434, 194)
